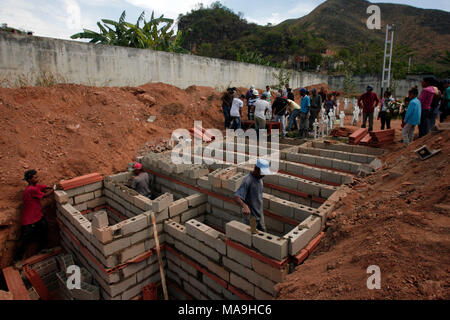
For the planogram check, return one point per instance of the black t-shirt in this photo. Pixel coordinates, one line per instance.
(291, 96)
(279, 106)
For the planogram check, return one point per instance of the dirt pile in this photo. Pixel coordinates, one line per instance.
(70, 130)
(397, 219)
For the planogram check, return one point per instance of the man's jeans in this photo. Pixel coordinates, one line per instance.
(236, 123)
(370, 117)
(303, 124)
(293, 119)
(282, 120)
(226, 114)
(36, 231)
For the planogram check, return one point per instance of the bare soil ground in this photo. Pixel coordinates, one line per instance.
(70, 130)
(397, 219)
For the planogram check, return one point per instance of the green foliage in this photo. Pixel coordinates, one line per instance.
(349, 83)
(367, 58)
(155, 34)
(233, 38)
(254, 57)
(282, 77)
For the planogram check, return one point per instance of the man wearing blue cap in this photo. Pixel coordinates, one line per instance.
(250, 195)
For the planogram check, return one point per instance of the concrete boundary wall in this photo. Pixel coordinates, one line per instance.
(100, 65)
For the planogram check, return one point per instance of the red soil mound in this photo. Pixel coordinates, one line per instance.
(397, 219)
(70, 130)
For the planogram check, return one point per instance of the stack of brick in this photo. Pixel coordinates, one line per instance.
(83, 197)
(382, 138)
(87, 290)
(356, 137)
(342, 132)
(366, 140)
(47, 272)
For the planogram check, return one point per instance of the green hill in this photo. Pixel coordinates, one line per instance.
(337, 25)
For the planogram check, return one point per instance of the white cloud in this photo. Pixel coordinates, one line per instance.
(302, 9)
(171, 8)
(73, 11)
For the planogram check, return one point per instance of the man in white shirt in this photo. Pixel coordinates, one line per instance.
(236, 113)
(261, 107)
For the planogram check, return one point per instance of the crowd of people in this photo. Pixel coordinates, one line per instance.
(420, 108)
(284, 109)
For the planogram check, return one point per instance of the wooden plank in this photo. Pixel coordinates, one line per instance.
(15, 284)
(158, 250)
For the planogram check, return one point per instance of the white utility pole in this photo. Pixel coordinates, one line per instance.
(387, 61)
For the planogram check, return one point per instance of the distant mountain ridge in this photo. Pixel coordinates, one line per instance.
(342, 22)
(421, 34)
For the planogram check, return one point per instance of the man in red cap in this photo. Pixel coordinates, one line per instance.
(142, 181)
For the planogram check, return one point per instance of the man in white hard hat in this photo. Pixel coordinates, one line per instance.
(250, 195)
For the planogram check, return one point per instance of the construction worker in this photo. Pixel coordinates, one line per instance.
(142, 181)
(367, 102)
(250, 195)
(305, 106)
(34, 225)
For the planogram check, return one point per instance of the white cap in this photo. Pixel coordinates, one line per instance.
(264, 166)
(252, 87)
(255, 92)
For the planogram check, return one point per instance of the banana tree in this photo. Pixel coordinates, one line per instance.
(155, 34)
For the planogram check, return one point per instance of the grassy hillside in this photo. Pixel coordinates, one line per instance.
(340, 25)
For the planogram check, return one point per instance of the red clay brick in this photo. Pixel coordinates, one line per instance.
(80, 181)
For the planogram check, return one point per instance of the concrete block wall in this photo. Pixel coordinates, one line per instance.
(83, 198)
(102, 246)
(348, 148)
(235, 265)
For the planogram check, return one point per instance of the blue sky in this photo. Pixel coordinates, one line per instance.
(62, 18)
